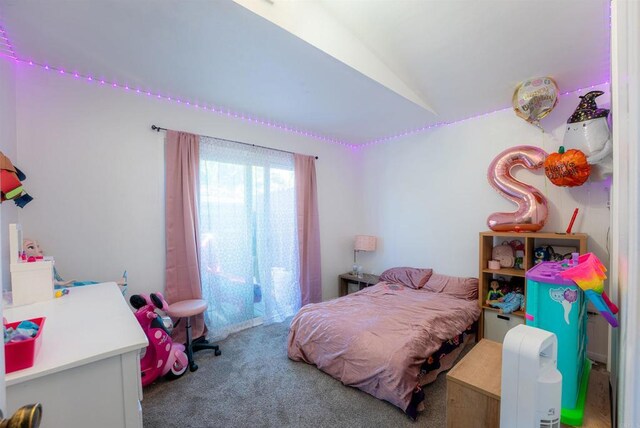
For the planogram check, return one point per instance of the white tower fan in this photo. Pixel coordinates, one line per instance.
(531, 388)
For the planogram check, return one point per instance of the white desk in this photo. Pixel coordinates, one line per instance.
(87, 373)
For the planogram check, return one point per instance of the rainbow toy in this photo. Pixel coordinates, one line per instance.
(589, 275)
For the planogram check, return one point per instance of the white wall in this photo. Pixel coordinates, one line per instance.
(96, 172)
(625, 274)
(8, 146)
(8, 210)
(427, 196)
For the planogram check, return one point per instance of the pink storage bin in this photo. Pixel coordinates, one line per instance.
(21, 355)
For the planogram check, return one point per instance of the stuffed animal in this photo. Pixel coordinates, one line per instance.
(517, 244)
(540, 254)
(10, 183)
(557, 257)
(511, 302)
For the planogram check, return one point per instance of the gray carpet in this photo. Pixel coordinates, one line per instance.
(254, 384)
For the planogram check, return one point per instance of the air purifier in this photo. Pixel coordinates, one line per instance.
(531, 385)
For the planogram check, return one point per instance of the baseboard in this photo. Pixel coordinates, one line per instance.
(601, 358)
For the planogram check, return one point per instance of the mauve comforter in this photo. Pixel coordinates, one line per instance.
(377, 339)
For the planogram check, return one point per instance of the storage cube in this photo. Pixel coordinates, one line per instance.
(496, 325)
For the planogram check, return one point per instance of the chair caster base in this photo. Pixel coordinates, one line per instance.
(193, 367)
(201, 343)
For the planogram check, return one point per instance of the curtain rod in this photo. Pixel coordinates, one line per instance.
(158, 129)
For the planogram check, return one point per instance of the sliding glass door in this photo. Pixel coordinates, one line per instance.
(249, 247)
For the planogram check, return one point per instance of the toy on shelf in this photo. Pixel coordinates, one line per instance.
(518, 252)
(495, 293)
(505, 287)
(540, 254)
(511, 302)
(517, 245)
(589, 275)
(548, 254)
(504, 254)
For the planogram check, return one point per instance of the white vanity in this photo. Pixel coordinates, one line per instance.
(87, 372)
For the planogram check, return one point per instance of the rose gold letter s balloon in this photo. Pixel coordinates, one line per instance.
(532, 205)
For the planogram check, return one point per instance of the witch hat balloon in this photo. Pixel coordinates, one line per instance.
(588, 108)
(588, 131)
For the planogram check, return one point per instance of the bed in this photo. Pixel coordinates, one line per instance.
(384, 338)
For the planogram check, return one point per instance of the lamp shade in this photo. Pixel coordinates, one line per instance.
(365, 243)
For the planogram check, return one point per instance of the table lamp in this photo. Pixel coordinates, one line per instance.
(362, 243)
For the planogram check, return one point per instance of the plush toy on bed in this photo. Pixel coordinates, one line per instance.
(32, 250)
(511, 302)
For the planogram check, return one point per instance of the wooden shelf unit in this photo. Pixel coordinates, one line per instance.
(531, 241)
(491, 308)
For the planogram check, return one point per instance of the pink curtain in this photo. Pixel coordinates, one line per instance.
(182, 161)
(308, 229)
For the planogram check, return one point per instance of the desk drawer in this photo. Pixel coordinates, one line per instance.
(496, 325)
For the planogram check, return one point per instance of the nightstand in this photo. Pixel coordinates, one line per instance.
(367, 280)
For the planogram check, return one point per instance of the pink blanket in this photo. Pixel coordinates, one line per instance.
(377, 339)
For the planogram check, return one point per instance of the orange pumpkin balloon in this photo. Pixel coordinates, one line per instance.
(568, 169)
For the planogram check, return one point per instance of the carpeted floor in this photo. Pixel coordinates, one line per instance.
(254, 384)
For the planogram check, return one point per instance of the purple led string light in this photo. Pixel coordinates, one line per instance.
(269, 124)
(7, 50)
(6, 47)
(455, 122)
(218, 110)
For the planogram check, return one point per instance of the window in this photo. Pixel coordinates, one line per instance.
(248, 234)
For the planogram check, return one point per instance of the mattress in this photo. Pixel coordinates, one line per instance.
(378, 339)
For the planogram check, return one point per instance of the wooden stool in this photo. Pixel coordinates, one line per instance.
(186, 309)
(473, 388)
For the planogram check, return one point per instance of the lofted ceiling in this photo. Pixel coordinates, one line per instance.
(353, 70)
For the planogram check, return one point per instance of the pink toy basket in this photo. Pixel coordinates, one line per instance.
(22, 355)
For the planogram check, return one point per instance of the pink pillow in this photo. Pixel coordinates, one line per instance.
(461, 288)
(414, 278)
